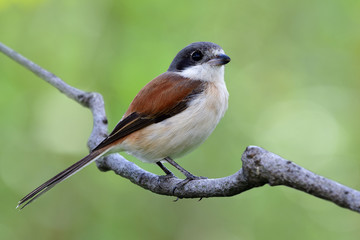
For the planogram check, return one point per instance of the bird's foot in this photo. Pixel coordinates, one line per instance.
(167, 176)
(188, 179)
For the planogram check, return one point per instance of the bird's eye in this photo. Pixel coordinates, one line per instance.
(197, 56)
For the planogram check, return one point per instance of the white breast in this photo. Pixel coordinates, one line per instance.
(181, 133)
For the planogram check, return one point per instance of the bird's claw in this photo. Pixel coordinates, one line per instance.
(186, 181)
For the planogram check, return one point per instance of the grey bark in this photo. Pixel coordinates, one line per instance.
(259, 167)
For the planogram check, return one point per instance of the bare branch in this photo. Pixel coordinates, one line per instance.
(49, 77)
(263, 167)
(94, 101)
(260, 167)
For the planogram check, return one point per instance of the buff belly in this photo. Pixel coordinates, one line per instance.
(181, 133)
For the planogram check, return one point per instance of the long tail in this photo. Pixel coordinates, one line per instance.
(46, 186)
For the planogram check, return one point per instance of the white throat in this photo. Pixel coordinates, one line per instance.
(204, 72)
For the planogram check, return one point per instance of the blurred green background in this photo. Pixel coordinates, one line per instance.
(294, 90)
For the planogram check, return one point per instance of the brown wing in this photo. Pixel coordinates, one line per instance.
(162, 98)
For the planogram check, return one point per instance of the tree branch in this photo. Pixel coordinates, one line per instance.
(259, 167)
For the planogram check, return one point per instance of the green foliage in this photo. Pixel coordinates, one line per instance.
(294, 90)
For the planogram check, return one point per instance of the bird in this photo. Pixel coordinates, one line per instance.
(169, 117)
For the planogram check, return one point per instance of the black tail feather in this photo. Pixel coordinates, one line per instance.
(43, 188)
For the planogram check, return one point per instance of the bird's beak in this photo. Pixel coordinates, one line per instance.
(220, 59)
